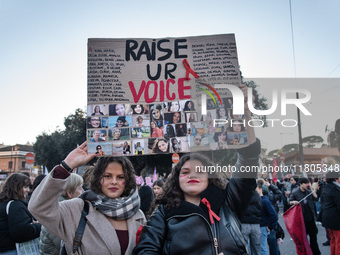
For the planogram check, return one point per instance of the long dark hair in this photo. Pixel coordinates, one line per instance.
(172, 194)
(13, 187)
(99, 169)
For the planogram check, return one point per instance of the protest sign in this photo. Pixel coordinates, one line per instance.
(158, 95)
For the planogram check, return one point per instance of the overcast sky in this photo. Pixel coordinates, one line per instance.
(43, 61)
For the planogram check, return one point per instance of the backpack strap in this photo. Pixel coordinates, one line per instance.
(81, 228)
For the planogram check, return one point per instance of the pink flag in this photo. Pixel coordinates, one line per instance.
(139, 180)
(296, 228)
(148, 181)
(154, 176)
(274, 171)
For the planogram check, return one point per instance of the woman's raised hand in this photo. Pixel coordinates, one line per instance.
(79, 156)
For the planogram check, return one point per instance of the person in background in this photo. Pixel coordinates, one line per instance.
(35, 184)
(268, 219)
(17, 224)
(158, 188)
(308, 211)
(50, 243)
(331, 210)
(114, 216)
(146, 197)
(251, 220)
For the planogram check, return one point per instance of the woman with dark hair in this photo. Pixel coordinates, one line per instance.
(189, 106)
(35, 184)
(221, 139)
(137, 109)
(117, 109)
(17, 224)
(155, 130)
(197, 213)
(97, 111)
(181, 130)
(158, 187)
(99, 151)
(161, 145)
(170, 131)
(122, 122)
(146, 197)
(175, 145)
(173, 106)
(221, 113)
(114, 216)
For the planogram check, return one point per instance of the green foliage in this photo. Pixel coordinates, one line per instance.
(311, 141)
(51, 149)
(290, 147)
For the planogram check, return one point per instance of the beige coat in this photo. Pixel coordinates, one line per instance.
(62, 219)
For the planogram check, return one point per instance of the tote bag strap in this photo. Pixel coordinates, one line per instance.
(7, 206)
(81, 228)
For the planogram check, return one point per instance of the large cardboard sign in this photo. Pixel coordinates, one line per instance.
(149, 96)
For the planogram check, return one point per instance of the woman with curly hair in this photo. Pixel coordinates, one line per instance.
(113, 217)
(161, 145)
(16, 222)
(197, 212)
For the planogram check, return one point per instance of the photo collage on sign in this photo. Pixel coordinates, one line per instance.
(167, 127)
(137, 129)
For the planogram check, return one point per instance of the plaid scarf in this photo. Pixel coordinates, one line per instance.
(120, 208)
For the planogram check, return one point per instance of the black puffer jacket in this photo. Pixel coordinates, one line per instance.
(331, 206)
(253, 213)
(187, 228)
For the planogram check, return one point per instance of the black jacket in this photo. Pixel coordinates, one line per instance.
(16, 227)
(187, 229)
(331, 206)
(308, 208)
(253, 213)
